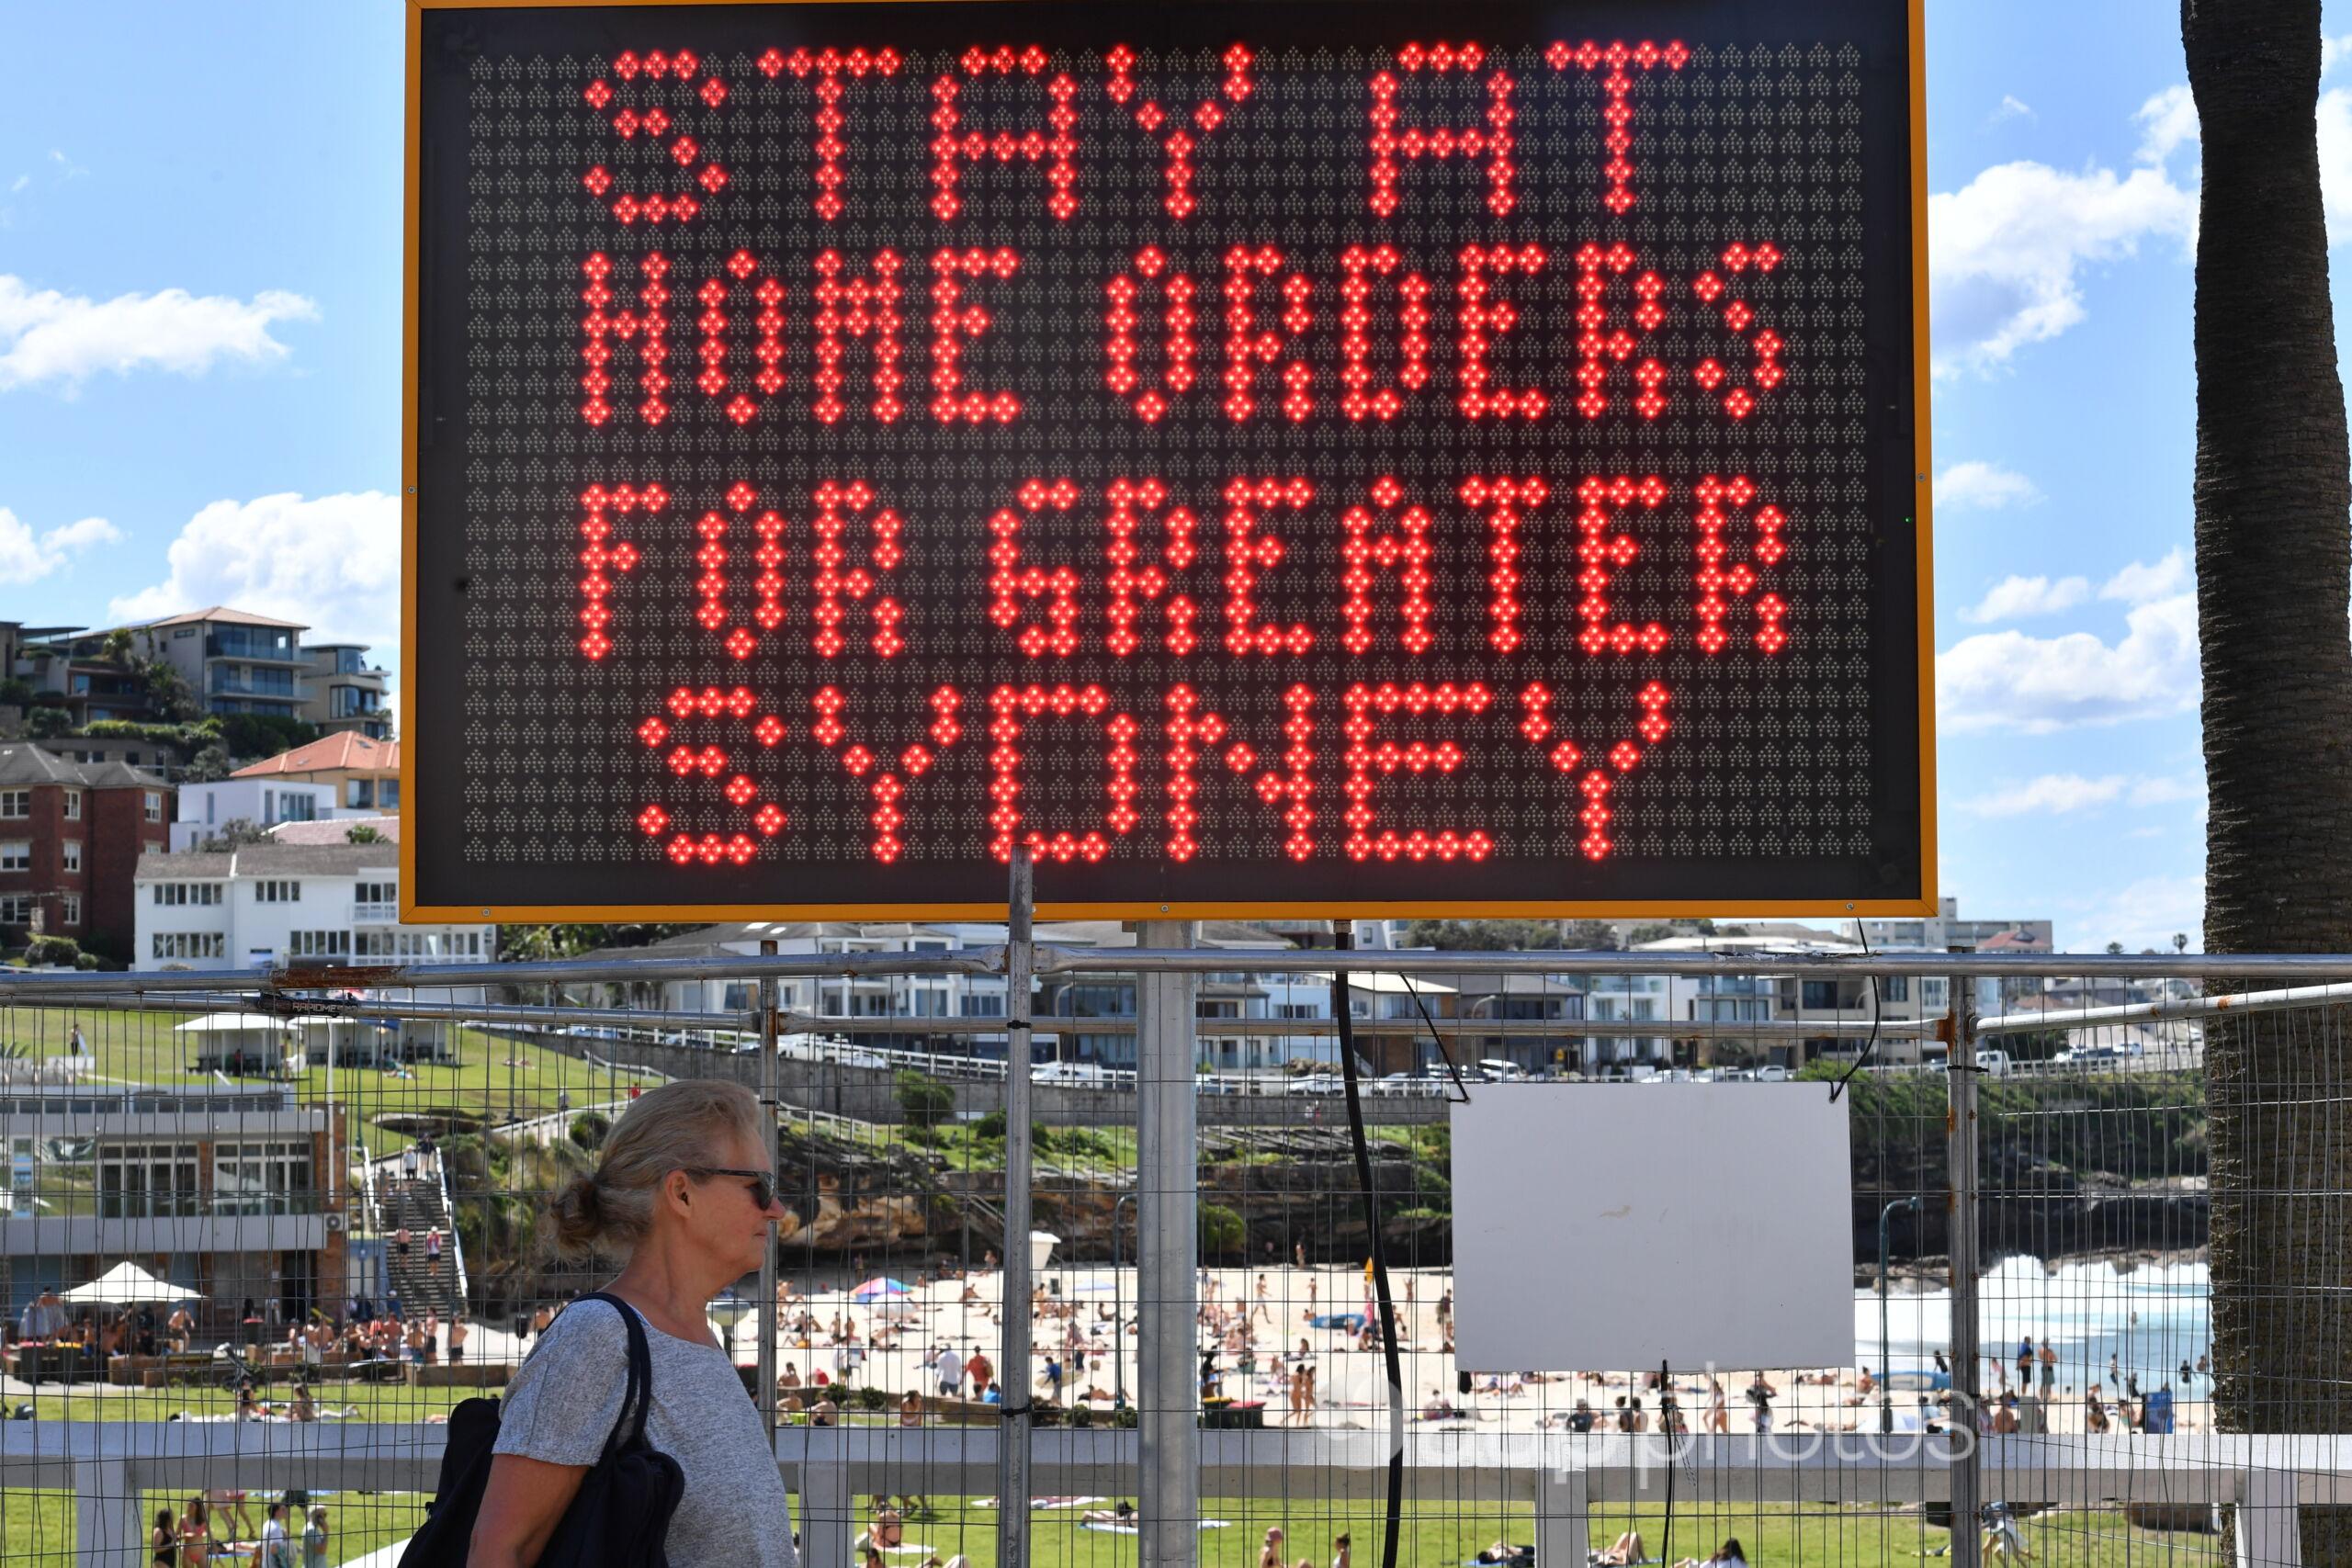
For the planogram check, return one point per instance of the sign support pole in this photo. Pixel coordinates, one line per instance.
(1167, 1251)
(771, 1091)
(1960, 1159)
(1019, 1381)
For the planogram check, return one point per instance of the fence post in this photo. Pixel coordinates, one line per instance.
(1019, 1382)
(1166, 1255)
(771, 1095)
(1959, 1162)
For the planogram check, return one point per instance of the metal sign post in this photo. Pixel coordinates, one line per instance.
(1012, 1456)
(1960, 1155)
(771, 1091)
(1167, 1252)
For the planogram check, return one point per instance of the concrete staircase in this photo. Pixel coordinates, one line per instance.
(417, 1204)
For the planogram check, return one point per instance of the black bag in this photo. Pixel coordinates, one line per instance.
(620, 1517)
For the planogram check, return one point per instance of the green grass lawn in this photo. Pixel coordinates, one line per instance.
(36, 1527)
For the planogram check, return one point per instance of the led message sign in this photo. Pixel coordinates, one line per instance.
(1284, 457)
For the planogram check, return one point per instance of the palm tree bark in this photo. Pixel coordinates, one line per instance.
(2274, 567)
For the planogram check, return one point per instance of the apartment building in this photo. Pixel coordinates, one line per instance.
(229, 1192)
(235, 660)
(365, 772)
(70, 837)
(341, 691)
(261, 905)
(266, 802)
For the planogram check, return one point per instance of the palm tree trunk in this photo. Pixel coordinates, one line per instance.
(2274, 565)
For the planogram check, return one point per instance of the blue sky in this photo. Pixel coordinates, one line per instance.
(200, 363)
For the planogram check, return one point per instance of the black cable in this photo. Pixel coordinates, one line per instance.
(1343, 939)
(1460, 1096)
(1868, 1046)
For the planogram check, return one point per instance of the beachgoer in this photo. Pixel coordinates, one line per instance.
(1760, 1395)
(911, 1409)
(432, 1249)
(408, 1162)
(950, 1368)
(401, 1238)
(2004, 1536)
(824, 1413)
(163, 1541)
(1727, 1555)
(314, 1539)
(1582, 1417)
(690, 1230)
(277, 1546)
(1120, 1513)
(1626, 1549)
(1342, 1549)
(1269, 1551)
(2048, 1359)
(196, 1531)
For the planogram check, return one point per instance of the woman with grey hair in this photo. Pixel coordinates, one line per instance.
(684, 1188)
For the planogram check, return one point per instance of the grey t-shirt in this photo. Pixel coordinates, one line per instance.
(567, 1394)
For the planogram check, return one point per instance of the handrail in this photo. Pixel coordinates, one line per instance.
(1058, 959)
(457, 1246)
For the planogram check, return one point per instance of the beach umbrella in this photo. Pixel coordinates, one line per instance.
(879, 1286)
(125, 1284)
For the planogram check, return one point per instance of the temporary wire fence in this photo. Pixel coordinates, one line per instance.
(262, 1234)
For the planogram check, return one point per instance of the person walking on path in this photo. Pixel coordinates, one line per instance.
(433, 1251)
(685, 1187)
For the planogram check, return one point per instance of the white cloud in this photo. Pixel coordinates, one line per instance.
(2144, 582)
(20, 182)
(2010, 107)
(2005, 252)
(2167, 121)
(2054, 793)
(2333, 52)
(1986, 487)
(331, 562)
(2009, 680)
(26, 557)
(2059, 794)
(2015, 598)
(2147, 913)
(2336, 162)
(64, 339)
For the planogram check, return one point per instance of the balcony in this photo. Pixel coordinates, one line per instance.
(258, 683)
(276, 648)
(375, 914)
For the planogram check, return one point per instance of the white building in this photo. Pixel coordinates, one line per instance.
(205, 808)
(260, 905)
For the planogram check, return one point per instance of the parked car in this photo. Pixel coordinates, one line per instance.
(1318, 1083)
(1771, 1072)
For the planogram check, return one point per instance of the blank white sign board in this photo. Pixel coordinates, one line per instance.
(1614, 1226)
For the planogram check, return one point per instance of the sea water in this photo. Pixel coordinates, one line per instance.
(2150, 1317)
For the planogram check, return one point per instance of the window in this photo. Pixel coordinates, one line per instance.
(70, 912)
(190, 944)
(1897, 988)
(263, 1179)
(376, 893)
(139, 1181)
(15, 803)
(274, 892)
(983, 1006)
(169, 894)
(1817, 994)
(15, 854)
(16, 908)
(358, 792)
(154, 805)
(72, 850)
(298, 805)
(388, 794)
(319, 944)
(1296, 1010)
(73, 806)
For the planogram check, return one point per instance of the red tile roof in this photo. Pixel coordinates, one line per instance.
(349, 752)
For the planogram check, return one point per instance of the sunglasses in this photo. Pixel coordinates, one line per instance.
(761, 1184)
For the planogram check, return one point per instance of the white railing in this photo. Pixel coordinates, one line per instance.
(375, 914)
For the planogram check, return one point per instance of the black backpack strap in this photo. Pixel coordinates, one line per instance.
(640, 1392)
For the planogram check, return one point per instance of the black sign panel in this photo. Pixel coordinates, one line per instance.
(1274, 457)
